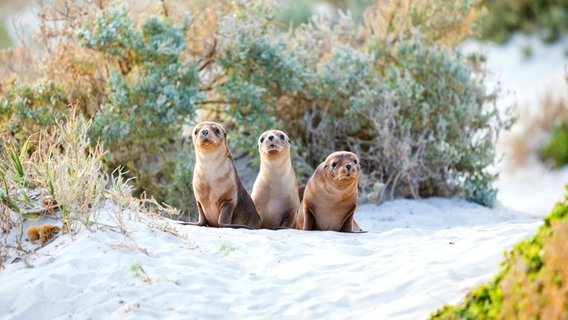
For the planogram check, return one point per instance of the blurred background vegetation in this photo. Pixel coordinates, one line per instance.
(384, 79)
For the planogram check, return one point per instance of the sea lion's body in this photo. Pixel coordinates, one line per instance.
(222, 200)
(275, 190)
(331, 195)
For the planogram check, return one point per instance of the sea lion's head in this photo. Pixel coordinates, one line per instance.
(343, 167)
(272, 143)
(208, 136)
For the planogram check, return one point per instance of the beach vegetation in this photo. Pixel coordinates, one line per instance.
(138, 272)
(532, 282)
(225, 249)
(555, 150)
(64, 172)
(544, 131)
(389, 85)
(547, 18)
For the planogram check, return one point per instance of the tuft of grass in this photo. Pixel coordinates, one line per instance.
(225, 249)
(121, 190)
(63, 172)
(72, 172)
(138, 272)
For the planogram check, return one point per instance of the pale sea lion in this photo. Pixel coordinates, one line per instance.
(275, 190)
(331, 195)
(222, 200)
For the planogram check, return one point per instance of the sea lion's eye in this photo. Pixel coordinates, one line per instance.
(196, 131)
(282, 137)
(355, 161)
(261, 139)
(217, 131)
(334, 164)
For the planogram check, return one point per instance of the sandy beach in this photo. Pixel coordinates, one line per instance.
(417, 256)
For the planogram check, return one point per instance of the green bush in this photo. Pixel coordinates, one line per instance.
(416, 113)
(390, 88)
(26, 109)
(533, 280)
(549, 18)
(555, 150)
(152, 92)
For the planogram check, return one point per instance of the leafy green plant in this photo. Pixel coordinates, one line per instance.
(152, 93)
(138, 272)
(556, 149)
(26, 109)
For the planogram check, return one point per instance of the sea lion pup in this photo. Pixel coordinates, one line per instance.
(222, 200)
(275, 191)
(331, 194)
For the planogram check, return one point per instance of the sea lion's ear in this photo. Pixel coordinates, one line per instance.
(325, 166)
(289, 141)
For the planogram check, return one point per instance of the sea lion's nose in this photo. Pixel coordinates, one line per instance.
(270, 137)
(205, 132)
(348, 166)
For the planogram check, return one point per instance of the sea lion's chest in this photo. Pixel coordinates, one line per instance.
(215, 185)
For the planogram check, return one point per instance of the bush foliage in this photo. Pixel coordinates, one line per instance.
(26, 109)
(549, 18)
(532, 283)
(555, 150)
(391, 88)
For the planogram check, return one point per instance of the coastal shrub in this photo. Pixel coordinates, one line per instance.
(548, 18)
(390, 87)
(152, 92)
(555, 150)
(532, 283)
(29, 108)
(414, 109)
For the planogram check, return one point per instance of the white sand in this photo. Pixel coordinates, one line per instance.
(416, 257)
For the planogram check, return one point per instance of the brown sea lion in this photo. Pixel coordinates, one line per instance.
(222, 200)
(275, 191)
(331, 195)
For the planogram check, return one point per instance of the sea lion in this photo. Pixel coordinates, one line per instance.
(222, 200)
(331, 195)
(43, 233)
(275, 191)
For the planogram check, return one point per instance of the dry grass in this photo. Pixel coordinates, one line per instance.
(63, 172)
(63, 179)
